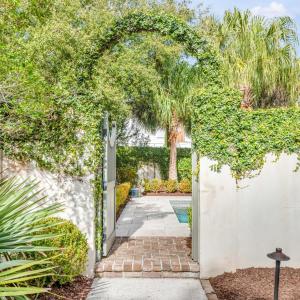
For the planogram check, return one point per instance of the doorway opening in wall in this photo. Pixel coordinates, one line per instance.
(157, 65)
(153, 211)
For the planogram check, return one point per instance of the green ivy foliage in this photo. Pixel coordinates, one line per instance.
(166, 25)
(131, 158)
(239, 138)
(184, 168)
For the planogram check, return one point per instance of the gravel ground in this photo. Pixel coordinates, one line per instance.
(257, 284)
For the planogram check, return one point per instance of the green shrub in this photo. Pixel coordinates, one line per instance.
(171, 186)
(156, 185)
(147, 185)
(73, 255)
(122, 193)
(190, 213)
(127, 174)
(185, 186)
(184, 168)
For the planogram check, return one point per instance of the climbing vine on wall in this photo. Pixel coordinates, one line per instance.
(133, 157)
(224, 132)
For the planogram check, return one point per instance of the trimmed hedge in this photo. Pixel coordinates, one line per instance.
(122, 194)
(129, 159)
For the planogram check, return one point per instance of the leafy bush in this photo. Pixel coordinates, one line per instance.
(122, 193)
(73, 249)
(184, 168)
(147, 185)
(185, 186)
(171, 186)
(190, 213)
(127, 174)
(20, 216)
(156, 185)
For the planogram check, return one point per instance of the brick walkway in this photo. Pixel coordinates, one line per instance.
(149, 257)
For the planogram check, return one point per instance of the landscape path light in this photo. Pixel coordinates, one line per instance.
(278, 256)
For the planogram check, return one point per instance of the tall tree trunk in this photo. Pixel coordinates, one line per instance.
(173, 132)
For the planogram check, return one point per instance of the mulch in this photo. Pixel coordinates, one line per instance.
(257, 284)
(76, 290)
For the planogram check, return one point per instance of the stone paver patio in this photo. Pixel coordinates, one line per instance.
(152, 254)
(151, 216)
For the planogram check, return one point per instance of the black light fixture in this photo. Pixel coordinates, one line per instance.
(278, 256)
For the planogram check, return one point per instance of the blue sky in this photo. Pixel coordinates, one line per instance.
(268, 8)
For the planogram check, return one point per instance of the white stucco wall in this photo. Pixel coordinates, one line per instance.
(75, 193)
(240, 224)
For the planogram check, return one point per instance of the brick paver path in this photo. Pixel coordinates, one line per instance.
(149, 257)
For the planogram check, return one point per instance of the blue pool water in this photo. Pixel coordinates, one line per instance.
(180, 209)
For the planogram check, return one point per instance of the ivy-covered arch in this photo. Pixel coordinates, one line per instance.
(221, 130)
(164, 24)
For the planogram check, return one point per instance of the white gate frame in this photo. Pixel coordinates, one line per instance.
(195, 207)
(109, 186)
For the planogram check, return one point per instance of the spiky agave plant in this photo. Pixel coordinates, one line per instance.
(21, 210)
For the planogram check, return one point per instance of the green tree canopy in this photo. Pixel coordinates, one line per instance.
(258, 55)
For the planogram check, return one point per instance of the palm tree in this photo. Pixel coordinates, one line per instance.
(172, 105)
(259, 56)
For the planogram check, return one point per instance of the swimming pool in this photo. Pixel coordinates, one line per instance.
(180, 208)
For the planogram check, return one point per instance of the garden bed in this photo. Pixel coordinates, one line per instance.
(167, 194)
(78, 290)
(257, 284)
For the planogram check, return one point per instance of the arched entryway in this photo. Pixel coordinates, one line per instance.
(197, 47)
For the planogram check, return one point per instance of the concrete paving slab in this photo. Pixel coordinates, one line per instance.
(151, 216)
(146, 289)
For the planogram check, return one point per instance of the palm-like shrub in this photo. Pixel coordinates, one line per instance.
(20, 214)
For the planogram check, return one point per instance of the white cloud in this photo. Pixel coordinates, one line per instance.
(274, 9)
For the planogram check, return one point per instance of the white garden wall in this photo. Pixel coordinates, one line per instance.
(240, 224)
(75, 193)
